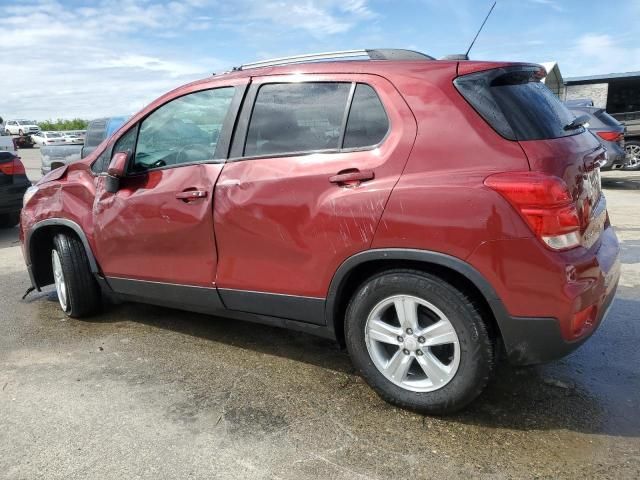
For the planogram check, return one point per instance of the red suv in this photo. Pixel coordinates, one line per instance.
(428, 214)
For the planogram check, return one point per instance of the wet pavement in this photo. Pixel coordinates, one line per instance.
(147, 392)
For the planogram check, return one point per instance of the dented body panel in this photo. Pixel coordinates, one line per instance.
(282, 226)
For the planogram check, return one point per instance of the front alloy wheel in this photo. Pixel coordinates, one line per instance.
(58, 278)
(78, 292)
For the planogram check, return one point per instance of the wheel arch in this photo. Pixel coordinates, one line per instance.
(361, 266)
(39, 237)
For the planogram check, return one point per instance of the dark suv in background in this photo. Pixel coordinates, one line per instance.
(13, 184)
(609, 132)
(427, 214)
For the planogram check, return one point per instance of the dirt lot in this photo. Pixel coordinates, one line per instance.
(146, 392)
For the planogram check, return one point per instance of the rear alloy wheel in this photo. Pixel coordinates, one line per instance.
(77, 289)
(632, 151)
(414, 357)
(419, 342)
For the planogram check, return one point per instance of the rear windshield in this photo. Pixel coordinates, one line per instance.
(516, 104)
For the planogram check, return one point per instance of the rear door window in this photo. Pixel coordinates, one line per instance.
(297, 117)
(516, 104)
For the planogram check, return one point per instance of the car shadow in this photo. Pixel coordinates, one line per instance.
(565, 395)
(621, 180)
(9, 237)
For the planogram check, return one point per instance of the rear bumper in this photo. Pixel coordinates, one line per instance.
(551, 303)
(530, 341)
(616, 156)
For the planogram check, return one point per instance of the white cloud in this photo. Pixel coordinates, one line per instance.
(548, 3)
(84, 62)
(316, 17)
(596, 53)
(115, 56)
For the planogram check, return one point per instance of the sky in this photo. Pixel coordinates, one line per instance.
(67, 58)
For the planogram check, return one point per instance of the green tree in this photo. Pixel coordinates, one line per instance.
(61, 124)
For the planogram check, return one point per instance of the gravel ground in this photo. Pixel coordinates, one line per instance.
(146, 392)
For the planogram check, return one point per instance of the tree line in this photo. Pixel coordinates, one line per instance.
(60, 124)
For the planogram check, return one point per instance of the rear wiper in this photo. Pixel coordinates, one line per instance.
(577, 122)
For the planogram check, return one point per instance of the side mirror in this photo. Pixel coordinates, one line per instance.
(118, 165)
(117, 169)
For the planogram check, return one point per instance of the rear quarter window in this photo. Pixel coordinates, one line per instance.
(367, 124)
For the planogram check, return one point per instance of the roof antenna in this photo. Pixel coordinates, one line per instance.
(465, 56)
(480, 29)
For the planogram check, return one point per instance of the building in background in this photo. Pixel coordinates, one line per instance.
(554, 80)
(617, 93)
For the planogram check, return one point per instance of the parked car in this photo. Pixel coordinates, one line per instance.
(13, 185)
(334, 198)
(21, 127)
(631, 123)
(48, 138)
(8, 145)
(23, 141)
(56, 156)
(610, 133)
(73, 139)
(53, 157)
(99, 130)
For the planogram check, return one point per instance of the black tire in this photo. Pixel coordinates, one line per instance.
(9, 220)
(83, 292)
(477, 348)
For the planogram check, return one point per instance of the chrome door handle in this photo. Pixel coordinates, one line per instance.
(352, 176)
(190, 195)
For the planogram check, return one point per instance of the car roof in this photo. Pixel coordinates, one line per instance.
(382, 67)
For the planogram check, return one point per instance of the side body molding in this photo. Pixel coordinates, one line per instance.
(423, 256)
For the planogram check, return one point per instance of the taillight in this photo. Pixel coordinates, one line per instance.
(611, 136)
(15, 167)
(545, 202)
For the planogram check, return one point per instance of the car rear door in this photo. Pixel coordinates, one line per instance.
(313, 162)
(155, 234)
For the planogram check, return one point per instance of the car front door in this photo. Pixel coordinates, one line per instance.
(155, 233)
(313, 163)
